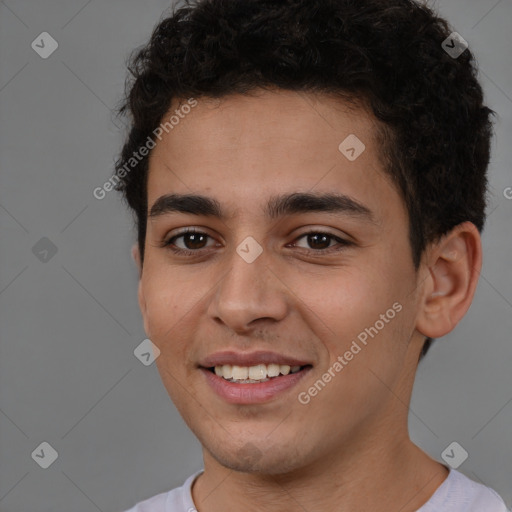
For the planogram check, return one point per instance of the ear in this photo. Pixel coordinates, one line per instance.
(136, 257)
(140, 293)
(454, 265)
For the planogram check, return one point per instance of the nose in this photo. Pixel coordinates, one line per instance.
(249, 294)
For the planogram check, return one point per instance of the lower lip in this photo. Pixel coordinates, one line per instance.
(235, 393)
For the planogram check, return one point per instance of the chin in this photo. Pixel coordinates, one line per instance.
(263, 459)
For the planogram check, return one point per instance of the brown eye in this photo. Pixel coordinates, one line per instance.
(192, 241)
(318, 241)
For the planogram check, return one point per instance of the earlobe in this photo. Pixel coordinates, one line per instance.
(454, 265)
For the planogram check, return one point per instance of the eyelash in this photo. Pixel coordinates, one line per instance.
(188, 252)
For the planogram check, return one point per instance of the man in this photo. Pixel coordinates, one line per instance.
(308, 178)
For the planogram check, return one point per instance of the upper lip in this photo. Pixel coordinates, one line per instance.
(249, 359)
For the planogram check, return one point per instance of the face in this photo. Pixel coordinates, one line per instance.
(324, 285)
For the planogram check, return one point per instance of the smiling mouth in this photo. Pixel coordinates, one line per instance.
(254, 374)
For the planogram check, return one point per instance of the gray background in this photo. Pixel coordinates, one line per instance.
(69, 326)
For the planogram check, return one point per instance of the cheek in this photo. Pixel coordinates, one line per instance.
(361, 316)
(168, 320)
(347, 300)
(170, 302)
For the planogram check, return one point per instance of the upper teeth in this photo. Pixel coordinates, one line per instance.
(254, 373)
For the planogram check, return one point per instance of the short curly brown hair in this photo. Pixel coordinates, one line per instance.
(387, 53)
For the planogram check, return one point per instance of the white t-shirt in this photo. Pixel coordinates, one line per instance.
(456, 494)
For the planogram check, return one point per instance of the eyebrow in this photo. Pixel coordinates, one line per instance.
(276, 207)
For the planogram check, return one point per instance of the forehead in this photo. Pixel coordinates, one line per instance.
(268, 143)
(263, 117)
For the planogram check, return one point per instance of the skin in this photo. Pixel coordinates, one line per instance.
(349, 447)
